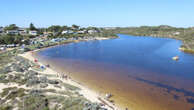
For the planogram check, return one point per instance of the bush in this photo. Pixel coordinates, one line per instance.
(16, 93)
(34, 102)
(13, 92)
(5, 108)
(6, 91)
(70, 87)
(73, 104)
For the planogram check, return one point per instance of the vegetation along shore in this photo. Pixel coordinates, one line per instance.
(186, 35)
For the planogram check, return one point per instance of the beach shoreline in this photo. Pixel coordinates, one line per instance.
(86, 92)
(72, 41)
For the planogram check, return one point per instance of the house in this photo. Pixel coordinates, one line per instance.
(110, 28)
(2, 48)
(1, 29)
(55, 40)
(81, 32)
(14, 32)
(22, 31)
(11, 45)
(58, 39)
(67, 32)
(92, 31)
(176, 33)
(33, 32)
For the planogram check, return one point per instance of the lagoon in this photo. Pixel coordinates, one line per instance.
(138, 71)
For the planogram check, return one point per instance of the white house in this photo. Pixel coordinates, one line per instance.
(11, 45)
(67, 32)
(2, 48)
(81, 32)
(58, 39)
(92, 31)
(176, 33)
(12, 32)
(22, 31)
(34, 33)
(109, 28)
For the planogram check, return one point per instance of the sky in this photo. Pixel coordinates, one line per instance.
(100, 13)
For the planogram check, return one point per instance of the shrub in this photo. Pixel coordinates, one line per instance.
(16, 93)
(34, 102)
(5, 108)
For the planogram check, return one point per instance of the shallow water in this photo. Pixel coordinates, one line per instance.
(138, 71)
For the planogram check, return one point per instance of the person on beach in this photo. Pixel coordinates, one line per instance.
(65, 77)
(57, 74)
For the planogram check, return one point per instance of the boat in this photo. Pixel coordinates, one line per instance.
(175, 58)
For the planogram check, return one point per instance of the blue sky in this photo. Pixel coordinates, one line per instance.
(103, 13)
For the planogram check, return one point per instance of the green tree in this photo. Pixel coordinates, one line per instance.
(17, 39)
(11, 27)
(32, 27)
(8, 39)
(75, 26)
(65, 28)
(11, 39)
(54, 28)
(92, 28)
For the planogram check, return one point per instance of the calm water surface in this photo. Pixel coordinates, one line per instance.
(138, 71)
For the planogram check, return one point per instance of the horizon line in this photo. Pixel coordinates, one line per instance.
(100, 26)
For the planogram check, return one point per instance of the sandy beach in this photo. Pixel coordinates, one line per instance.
(86, 92)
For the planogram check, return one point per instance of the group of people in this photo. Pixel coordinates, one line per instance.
(63, 76)
(60, 75)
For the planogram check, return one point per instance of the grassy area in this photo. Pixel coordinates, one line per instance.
(6, 57)
(68, 103)
(34, 102)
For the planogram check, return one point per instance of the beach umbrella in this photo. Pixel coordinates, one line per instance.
(42, 67)
(35, 60)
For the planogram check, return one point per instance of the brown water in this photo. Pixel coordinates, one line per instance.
(138, 71)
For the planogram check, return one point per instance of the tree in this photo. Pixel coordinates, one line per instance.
(65, 28)
(8, 39)
(92, 28)
(32, 27)
(75, 26)
(17, 39)
(54, 28)
(11, 27)
(42, 30)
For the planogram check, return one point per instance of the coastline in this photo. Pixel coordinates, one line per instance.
(72, 41)
(86, 92)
